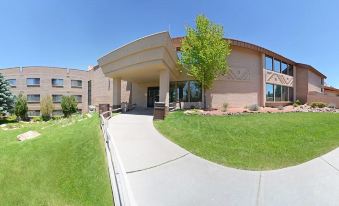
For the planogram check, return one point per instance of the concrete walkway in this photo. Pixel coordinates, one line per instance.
(161, 173)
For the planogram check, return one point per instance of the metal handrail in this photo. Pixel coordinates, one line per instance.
(120, 187)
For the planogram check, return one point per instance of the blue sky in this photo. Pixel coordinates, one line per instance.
(74, 33)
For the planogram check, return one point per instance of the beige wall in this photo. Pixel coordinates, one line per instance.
(242, 86)
(302, 84)
(102, 87)
(320, 97)
(314, 82)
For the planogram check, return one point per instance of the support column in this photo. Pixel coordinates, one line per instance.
(164, 87)
(263, 81)
(116, 93)
(294, 83)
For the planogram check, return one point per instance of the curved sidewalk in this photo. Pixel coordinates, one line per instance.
(161, 173)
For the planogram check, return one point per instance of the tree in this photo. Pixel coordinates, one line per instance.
(204, 53)
(69, 105)
(21, 107)
(46, 107)
(6, 97)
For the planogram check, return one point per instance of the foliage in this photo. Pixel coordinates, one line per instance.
(256, 142)
(69, 105)
(332, 106)
(204, 53)
(253, 107)
(297, 102)
(318, 105)
(224, 107)
(37, 119)
(295, 105)
(281, 108)
(7, 99)
(21, 107)
(46, 107)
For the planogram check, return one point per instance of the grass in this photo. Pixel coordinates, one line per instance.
(254, 142)
(64, 166)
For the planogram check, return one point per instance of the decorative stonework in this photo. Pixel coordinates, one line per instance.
(281, 79)
(239, 74)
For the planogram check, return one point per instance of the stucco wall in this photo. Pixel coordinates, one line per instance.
(102, 88)
(139, 93)
(314, 82)
(242, 86)
(302, 84)
(320, 97)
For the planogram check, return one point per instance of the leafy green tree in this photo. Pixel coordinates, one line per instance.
(6, 97)
(21, 107)
(204, 53)
(46, 107)
(69, 105)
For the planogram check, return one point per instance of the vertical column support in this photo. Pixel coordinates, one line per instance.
(294, 83)
(164, 81)
(116, 93)
(263, 83)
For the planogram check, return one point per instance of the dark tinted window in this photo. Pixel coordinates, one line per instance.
(269, 92)
(268, 63)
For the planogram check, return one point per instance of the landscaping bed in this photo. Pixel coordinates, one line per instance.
(65, 165)
(256, 142)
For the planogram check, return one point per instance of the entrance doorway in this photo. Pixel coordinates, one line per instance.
(152, 96)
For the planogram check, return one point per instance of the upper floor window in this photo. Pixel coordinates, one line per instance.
(76, 83)
(33, 82)
(33, 113)
(57, 82)
(78, 98)
(56, 98)
(33, 98)
(12, 82)
(277, 66)
(284, 68)
(268, 63)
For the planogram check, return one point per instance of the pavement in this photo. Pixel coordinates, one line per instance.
(160, 172)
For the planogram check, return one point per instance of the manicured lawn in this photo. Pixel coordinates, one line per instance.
(66, 165)
(255, 142)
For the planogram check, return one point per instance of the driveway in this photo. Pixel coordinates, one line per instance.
(161, 173)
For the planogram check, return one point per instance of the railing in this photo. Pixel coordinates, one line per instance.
(120, 187)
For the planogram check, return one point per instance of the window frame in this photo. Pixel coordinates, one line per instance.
(58, 80)
(9, 82)
(78, 80)
(33, 85)
(57, 95)
(30, 101)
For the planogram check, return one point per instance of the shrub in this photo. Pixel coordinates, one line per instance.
(46, 107)
(253, 107)
(224, 107)
(281, 108)
(69, 105)
(318, 104)
(21, 107)
(297, 102)
(295, 105)
(37, 119)
(332, 106)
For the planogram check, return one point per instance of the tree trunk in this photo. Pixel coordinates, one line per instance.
(205, 106)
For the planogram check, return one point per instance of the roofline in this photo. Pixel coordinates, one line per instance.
(331, 88)
(255, 47)
(48, 67)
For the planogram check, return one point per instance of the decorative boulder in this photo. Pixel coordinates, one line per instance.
(27, 135)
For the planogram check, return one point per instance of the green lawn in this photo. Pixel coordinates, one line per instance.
(66, 165)
(255, 142)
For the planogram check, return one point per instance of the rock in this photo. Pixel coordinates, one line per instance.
(27, 135)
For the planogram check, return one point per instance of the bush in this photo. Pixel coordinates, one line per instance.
(281, 108)
(21, 107)
(332, 106)
(37, 119)
(297, 102)
(253, 107)
(318, 104)
(46, 107)
(224, 107)
(295, 105)
(69, 105)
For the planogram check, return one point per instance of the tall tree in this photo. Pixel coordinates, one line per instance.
(204, 53)
(21, 107)
(46, 107)
(6, 97)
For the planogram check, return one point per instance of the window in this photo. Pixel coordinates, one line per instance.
(57, 113)
(76, 83)
(33, 113)
(277, 93)
(185, 91)
(12, 82)
(284, 68)
(179, 54)
(33, 82)
(276, 65)
(33, 98)
(56, 98)
(57, 82)
(269, 92)
(78, 98)
(290, 70)
(269, 63)
(195, 91)
(89, 91)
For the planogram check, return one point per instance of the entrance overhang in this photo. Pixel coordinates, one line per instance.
(142, 60)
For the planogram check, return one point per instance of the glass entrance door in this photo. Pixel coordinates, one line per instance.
(152, 96)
